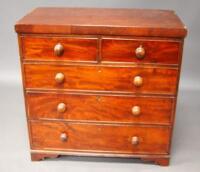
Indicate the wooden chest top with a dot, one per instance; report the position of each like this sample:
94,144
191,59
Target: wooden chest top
92,21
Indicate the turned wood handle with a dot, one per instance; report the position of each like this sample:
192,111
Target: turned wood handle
140,52
58,49
136,110
61,107
59,77
135,140
138,81
63,137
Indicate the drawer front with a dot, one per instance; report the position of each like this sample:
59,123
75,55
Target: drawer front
59,48
119,79
123,109
99,138
151,51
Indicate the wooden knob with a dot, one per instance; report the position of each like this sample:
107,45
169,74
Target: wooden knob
135,140
136,110
58,49
61,107
138,81
140,52
59,78
63,137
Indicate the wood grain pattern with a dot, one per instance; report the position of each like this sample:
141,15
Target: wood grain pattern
98,108
102,138
156,51
119,79
75,48
99,21
99,65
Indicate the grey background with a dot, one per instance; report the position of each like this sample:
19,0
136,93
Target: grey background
14,146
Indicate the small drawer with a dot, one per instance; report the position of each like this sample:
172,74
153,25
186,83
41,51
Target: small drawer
99,138
59,48
96,108
141,51
103,79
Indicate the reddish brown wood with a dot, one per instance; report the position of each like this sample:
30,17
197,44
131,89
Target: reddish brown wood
42,156
91,21
99,96
162,160
23,85
156,51
100,138
118,79
159,161
98,108
75,48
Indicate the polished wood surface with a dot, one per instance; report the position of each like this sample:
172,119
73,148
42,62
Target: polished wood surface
159,159
100,108
75,48
101,82
97,78
92,21
156,51
100,138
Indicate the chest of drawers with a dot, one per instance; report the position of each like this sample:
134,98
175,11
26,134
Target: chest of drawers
100,82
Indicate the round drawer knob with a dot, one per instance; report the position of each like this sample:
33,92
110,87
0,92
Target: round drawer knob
63,137
61,107
136,110
58,49
59,78
138,81
135,140
140,52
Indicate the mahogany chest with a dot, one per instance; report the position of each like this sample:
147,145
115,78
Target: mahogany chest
101,82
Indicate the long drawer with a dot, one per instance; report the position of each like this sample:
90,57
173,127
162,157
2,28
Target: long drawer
100,78
100,108
99,138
